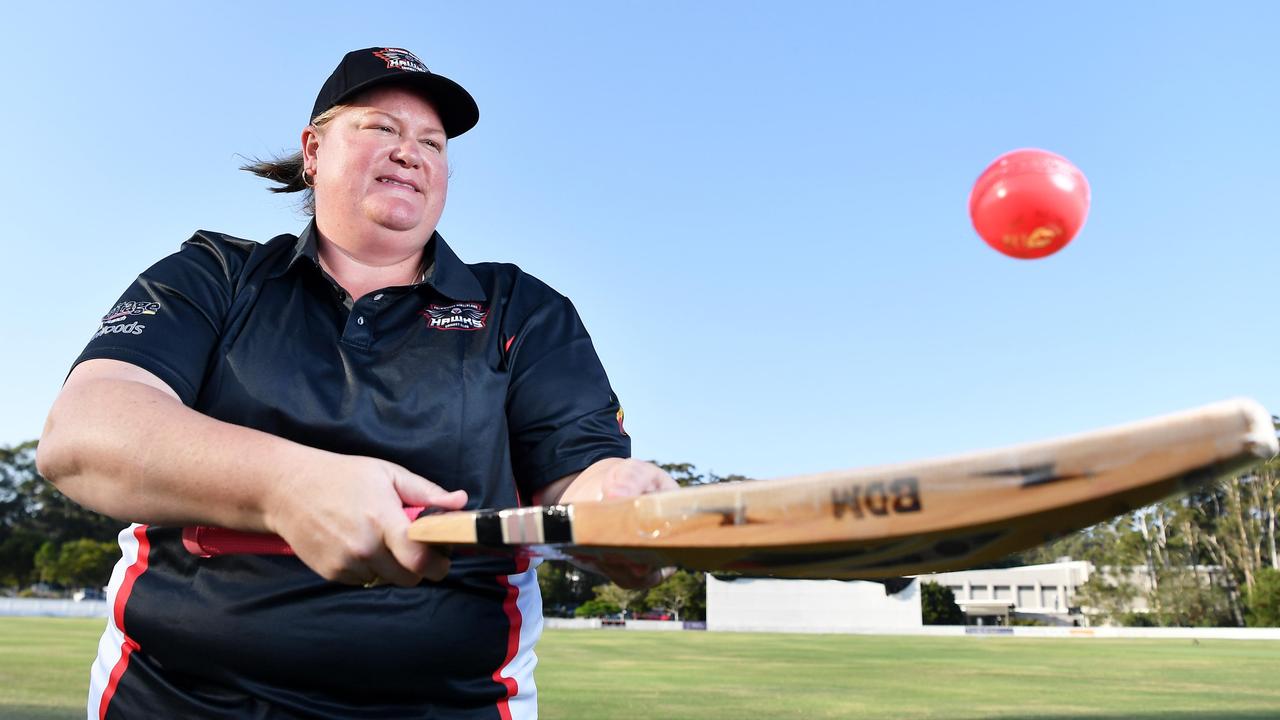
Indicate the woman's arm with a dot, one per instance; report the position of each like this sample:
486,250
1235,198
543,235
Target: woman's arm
119,441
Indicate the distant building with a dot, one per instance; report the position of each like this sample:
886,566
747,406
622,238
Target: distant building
1045,593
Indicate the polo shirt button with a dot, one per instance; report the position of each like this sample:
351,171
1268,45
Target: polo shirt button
378,296
360,320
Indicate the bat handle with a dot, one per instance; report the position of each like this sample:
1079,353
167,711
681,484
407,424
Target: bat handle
206,541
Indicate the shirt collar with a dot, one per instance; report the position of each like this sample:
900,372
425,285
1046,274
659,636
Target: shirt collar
450,276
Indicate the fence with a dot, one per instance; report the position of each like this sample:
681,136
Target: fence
30,607
98,608
944,630
597,623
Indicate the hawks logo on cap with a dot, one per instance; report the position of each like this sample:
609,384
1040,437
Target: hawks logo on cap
462,316
400,59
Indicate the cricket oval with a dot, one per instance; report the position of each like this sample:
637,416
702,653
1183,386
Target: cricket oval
878,498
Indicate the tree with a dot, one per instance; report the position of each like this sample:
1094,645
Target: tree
1236,525
938,605
1185,599
87,563
17,473
686,474
682,592
46,562
1264,599
596,608
17,557
1107,598
626,600
565,586
79,563
34,514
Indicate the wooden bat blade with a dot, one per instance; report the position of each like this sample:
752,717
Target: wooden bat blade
891,520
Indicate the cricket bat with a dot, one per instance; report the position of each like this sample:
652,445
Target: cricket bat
877,522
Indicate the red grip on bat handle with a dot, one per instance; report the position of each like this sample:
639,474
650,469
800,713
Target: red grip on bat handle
208,541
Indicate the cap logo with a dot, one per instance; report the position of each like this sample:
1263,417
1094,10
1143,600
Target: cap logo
400,59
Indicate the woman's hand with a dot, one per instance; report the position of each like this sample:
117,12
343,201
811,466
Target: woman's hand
343,517
609,479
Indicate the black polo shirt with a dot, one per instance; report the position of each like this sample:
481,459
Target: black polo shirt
481,378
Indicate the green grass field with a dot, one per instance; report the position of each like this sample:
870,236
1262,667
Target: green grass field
621,674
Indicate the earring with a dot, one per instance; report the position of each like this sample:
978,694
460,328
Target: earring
308,181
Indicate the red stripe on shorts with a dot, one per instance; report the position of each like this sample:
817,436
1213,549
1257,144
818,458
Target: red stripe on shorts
131,575
515,621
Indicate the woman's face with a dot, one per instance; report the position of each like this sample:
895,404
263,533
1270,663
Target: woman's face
380,164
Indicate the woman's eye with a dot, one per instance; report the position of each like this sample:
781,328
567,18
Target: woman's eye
431,144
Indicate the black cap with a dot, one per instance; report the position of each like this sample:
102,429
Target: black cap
363,69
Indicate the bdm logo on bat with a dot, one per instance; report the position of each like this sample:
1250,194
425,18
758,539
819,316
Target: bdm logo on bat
900,496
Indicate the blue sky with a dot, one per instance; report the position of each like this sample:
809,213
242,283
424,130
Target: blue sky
760,209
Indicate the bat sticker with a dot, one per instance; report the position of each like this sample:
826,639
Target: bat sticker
1034,475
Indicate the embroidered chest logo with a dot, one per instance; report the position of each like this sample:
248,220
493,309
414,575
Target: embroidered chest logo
460,316
113,322
399,59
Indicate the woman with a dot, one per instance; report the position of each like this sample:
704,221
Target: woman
311,386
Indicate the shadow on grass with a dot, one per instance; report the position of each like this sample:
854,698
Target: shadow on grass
1150,715
37,712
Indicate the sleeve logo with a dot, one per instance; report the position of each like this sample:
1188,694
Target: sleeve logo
128,308
113,323
460,316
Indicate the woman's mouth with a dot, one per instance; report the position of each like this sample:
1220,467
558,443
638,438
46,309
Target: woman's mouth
397,182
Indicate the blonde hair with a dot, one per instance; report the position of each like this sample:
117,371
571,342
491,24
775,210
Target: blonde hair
289,171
